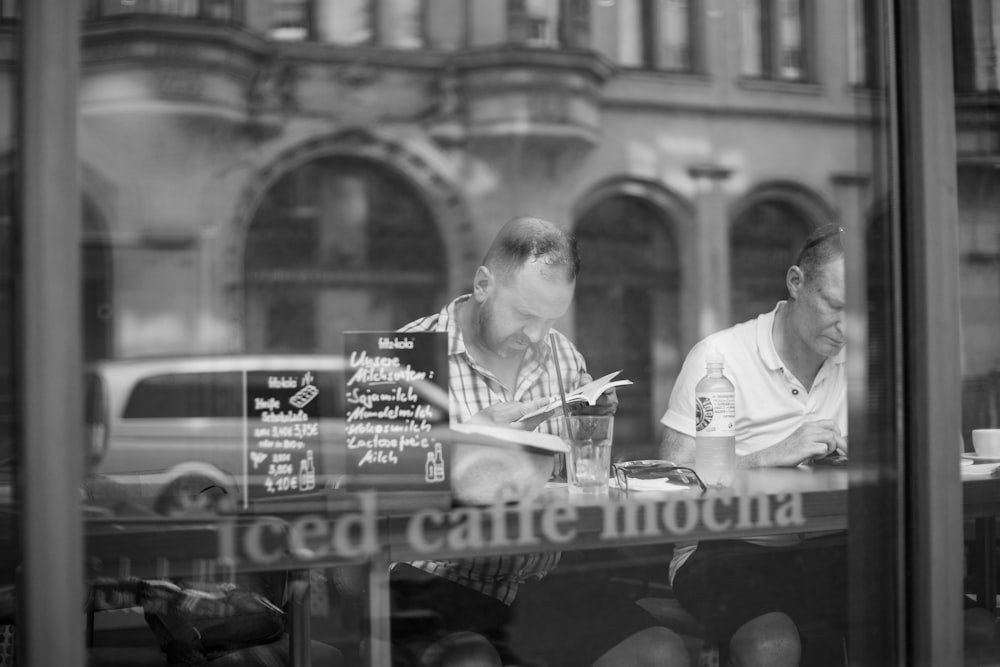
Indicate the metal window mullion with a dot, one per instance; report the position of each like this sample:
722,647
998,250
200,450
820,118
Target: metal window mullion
926,154
50,399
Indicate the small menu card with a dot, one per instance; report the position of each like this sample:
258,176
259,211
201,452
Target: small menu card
282,422
396,403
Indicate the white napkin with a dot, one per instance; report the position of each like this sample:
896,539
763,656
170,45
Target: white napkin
661,484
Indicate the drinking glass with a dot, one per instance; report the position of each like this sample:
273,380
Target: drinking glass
588,462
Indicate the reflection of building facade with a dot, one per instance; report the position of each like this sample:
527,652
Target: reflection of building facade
264,176
977,82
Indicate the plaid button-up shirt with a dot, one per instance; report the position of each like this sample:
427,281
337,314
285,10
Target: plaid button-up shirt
473,388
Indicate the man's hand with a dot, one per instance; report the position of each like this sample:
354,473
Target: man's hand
607,403
812,440
508,412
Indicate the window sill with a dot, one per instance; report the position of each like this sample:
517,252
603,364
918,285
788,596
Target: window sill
690,76
781,86
866,91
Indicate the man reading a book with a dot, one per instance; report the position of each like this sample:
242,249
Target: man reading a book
502,355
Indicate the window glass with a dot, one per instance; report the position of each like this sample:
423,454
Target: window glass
272,207
675,32
404,23
656,34
533,21
990,76
290,20
753,37
542,20
187,395
8,323
344,22
215,394
976,28
791,49
631,37
978,245
170,7
774,34
859,33
10,404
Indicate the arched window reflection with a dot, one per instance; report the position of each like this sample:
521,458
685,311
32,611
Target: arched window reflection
627,310
764,241
338,244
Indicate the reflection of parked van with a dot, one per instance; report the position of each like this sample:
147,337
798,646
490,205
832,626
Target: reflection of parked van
170,428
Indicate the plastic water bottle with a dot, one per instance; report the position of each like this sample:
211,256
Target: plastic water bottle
715,417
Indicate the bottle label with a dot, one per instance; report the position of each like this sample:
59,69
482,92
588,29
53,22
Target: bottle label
715,413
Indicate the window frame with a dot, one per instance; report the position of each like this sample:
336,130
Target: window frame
767,64
865,58
377,16
568,28
380,11
924,158
650,36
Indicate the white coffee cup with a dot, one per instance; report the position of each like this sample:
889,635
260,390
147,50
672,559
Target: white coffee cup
986,442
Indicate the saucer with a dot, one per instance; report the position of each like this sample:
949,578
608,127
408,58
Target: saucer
980,468
980,459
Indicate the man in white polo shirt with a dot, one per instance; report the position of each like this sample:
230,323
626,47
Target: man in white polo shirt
760,600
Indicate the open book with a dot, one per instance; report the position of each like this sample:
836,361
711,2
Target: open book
588,393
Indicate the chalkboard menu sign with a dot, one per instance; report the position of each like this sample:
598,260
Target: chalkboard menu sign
396,403
283,442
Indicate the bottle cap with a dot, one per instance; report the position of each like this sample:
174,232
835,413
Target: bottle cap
714,357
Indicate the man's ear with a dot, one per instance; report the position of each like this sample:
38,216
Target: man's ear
795,280
482,284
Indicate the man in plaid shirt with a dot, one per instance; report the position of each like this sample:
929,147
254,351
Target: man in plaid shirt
501,368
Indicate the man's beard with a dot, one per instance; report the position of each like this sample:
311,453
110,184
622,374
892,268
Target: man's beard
484,333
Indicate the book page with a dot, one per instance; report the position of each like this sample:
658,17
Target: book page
588,393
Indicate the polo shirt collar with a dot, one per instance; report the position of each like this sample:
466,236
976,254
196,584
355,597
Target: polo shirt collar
765,339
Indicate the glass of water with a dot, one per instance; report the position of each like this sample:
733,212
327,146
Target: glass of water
588,462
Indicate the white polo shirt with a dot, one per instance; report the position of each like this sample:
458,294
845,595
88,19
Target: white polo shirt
770,402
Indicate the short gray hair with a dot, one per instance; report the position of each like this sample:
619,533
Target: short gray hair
524,239
823,246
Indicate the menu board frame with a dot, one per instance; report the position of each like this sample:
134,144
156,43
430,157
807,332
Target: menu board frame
397,414
281,434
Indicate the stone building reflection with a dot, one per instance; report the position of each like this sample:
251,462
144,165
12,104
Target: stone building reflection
265,175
